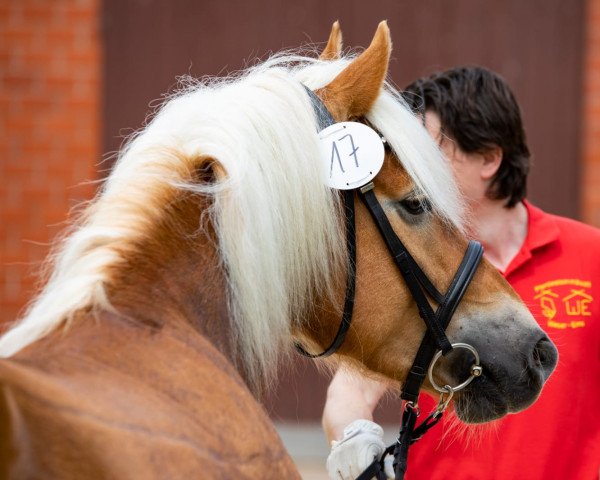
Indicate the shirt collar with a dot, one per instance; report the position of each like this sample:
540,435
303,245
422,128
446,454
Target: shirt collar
541,231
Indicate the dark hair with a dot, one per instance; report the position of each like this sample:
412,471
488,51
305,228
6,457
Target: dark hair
478,111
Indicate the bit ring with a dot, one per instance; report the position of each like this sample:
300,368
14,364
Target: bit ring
476,369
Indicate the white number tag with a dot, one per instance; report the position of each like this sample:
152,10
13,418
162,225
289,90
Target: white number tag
352,154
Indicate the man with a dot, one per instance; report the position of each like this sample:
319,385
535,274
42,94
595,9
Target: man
554,265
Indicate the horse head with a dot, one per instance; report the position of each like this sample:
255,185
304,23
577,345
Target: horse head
516,355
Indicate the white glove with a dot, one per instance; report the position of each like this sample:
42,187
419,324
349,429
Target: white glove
361,443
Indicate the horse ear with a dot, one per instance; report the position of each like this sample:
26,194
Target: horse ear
333,49
208,170
352,93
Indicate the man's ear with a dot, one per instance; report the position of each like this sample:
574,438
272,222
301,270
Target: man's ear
333,49
492,159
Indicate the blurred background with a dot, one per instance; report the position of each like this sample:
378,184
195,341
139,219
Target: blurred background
76,76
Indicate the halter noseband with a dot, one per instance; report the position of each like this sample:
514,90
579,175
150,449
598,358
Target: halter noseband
420,286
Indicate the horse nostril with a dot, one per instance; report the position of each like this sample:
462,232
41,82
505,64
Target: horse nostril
545,356
536,357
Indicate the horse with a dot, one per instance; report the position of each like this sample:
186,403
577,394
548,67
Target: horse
212,246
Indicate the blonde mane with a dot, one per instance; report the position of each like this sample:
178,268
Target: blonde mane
278,226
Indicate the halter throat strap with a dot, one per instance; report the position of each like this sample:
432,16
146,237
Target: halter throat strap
325,119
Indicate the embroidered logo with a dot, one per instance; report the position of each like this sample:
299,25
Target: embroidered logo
564,302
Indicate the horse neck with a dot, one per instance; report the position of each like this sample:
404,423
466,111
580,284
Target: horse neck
173,277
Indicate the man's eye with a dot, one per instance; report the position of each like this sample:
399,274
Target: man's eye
415,205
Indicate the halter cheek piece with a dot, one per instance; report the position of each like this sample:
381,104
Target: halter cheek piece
434,344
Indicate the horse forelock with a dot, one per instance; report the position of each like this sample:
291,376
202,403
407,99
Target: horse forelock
408,138
279,228
419,155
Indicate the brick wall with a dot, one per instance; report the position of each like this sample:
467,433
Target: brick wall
590,191
49,131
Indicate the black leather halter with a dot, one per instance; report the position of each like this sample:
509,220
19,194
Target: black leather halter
420,287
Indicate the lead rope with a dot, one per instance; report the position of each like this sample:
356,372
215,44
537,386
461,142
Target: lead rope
409,434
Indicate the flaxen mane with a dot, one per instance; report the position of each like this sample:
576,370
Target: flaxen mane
279,230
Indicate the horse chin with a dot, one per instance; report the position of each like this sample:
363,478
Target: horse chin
483,401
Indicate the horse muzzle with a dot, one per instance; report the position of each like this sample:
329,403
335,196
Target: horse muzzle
511,379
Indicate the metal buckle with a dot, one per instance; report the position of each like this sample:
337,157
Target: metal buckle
367,187
443,402
476,371
412,406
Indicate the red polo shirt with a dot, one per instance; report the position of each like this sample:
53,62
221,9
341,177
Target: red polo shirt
557,274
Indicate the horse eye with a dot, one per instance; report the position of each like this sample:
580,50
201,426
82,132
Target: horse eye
415,205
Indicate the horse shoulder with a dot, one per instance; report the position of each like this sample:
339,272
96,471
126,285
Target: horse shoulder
111,399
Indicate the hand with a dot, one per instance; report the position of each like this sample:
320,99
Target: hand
361,443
